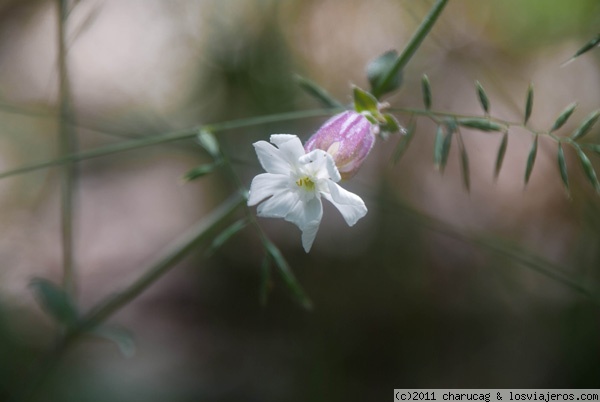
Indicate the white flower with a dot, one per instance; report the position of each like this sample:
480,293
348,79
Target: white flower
294,184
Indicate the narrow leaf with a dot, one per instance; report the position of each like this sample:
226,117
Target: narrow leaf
199,171
438,146
317,92
379,67
287,275
562,166
227,234
501,152
588,169
55,301
446,145
480,124
483,98
404,142
121,337
464,164
528,104
563,117
531,159
208,141
391,124
586,48
364,101
585,126
426,89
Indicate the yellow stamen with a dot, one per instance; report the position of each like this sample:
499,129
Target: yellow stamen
306,183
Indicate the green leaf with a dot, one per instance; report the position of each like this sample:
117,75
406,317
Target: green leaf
121,337
364,101
562,166
287,275
391,124
438,146
531,159
585,126
55,301
586,48
404,142
426,89
563,117
528,104
588,169
199,171
464,165
446,149
379,67
265,280
317,92
208,141
501,153
227,234
480,124
483,98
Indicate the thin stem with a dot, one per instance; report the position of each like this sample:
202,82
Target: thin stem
67,146
181,247
412,46
167,137
174,253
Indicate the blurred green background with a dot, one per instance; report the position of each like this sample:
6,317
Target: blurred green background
436,287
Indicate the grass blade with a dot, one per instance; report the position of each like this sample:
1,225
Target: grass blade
585,126
464,163
483,98
588,169
426,90
528,104
438,145
563,117
500,157
562,166
480,124
531,159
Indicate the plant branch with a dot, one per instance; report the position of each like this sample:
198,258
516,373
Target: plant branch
174,253
67,146
166,138
412,46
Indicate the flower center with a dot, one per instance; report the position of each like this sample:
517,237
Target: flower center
306,183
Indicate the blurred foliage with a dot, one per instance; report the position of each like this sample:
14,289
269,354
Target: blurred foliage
412,304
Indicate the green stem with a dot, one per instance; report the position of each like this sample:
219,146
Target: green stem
67,146
412,46
167,137
174,253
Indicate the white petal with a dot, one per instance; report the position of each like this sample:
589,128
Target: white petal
350,205
266,185
271,158
308,236
290,147
307,216
279,206
320,164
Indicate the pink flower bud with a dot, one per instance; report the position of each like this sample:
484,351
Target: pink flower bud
348,137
